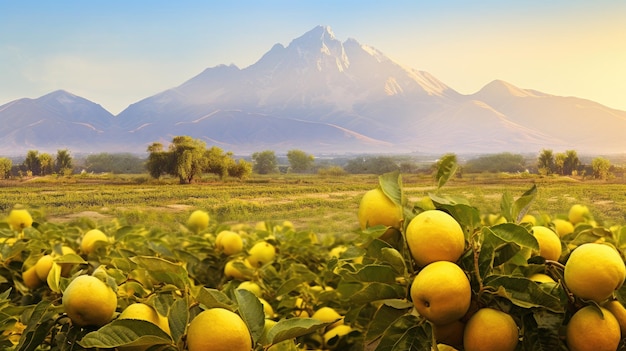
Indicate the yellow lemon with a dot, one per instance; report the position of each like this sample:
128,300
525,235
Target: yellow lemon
339,331
198,221
578,213
31,279
618,310
261,254
43,267
88,301
490,329
563,227
218,329
588,330
528,218
251,287
268,310
376,208
435,236
229,242
594,271
145,312
232,271
441,292
327,315
89,240
19,219
541,278
549,242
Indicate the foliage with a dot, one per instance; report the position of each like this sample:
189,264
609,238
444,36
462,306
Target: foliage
567,163
32,163
502,162
122,163
5,167
265,162
601,167
545,162
365,279
371,165
63,162
299,161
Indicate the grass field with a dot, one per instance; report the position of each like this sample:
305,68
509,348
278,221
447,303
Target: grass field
325,205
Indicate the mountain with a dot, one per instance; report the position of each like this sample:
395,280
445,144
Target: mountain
322,95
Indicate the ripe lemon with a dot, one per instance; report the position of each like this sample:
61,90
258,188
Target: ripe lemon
339,331
43,267
88,242
31,279
376,208
549,242
578,213
218,329
88,301
563,227
528,218
618,310
232,271
19,219
261,253
229,242
588,330
594,271
541,278
198,221
327,315
251,287
490,329
441,292
435,236
145,312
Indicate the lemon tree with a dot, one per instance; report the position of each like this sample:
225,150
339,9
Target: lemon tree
514,280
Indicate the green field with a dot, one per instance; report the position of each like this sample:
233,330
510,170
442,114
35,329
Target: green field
324,205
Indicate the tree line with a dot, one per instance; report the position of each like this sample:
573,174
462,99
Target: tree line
188,159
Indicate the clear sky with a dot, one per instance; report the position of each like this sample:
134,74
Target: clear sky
118,52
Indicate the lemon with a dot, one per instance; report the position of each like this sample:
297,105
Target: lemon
232,271
490,329
376,208
261,254
88,301
618,310
594,271
268,310
578,213
435,236
31,279
19,219
251,287
339,331
229,242
198,221
528,218
88,242
588,330
563,227
328,314
43,267
441,292
541,278
145,312
218,329
549,242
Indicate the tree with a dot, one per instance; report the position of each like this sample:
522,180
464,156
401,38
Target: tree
502,162
159,161
217,161
241,170
559,163
5,167
32,162
570,162
189,157
265,162
300,161
601,167
371,165
63,162
122,163
46,164
545,162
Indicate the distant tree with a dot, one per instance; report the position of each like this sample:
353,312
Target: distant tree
571,162
46,163
122,163
159,161
189,157
217,162
502,162
300,161
601,167
265,162
241,169
545,162
5,167
63,162
559,163
32,162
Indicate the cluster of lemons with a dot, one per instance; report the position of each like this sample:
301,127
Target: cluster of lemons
441,291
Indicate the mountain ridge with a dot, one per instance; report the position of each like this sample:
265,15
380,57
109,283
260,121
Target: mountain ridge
320,94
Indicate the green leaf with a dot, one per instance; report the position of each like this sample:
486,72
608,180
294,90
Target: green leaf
506,206
374,273
380,321
163,271
126,332
292,328
251,311
361,293
391,185
513,233
395,259
467,216
523,292
212,298
178,318
40,323
406,333
447,167
522,204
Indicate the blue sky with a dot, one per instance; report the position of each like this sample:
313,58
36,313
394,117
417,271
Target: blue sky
118,52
